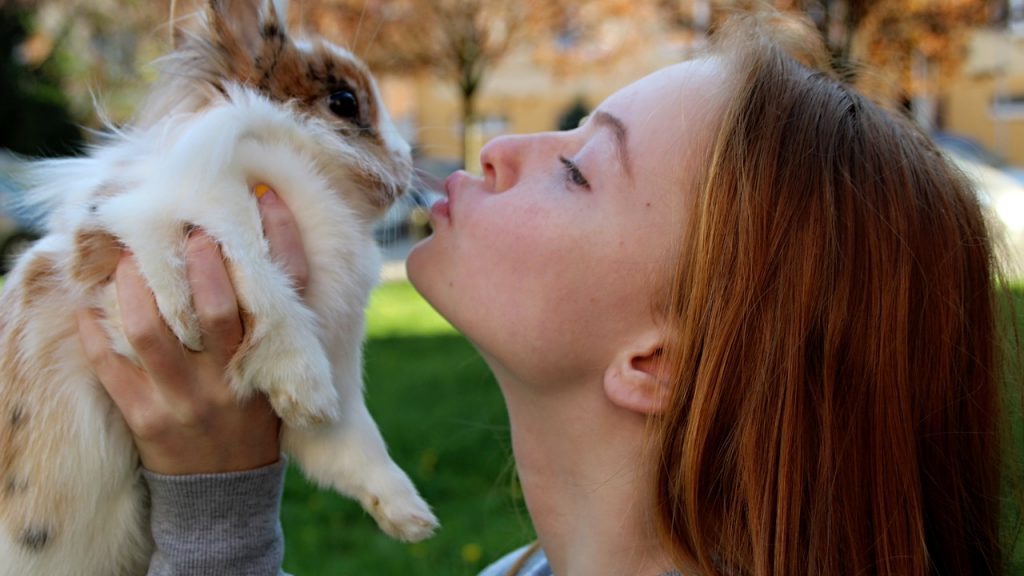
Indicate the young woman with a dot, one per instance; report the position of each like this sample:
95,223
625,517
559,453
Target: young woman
742,318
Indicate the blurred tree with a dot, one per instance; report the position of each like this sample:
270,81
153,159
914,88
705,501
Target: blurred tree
460,40
897,51
33,109
95,51
574,115
917,44
463,40
595,34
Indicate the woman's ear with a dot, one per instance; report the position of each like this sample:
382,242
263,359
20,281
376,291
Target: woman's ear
638,379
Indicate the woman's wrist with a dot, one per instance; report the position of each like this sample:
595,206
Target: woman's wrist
222,523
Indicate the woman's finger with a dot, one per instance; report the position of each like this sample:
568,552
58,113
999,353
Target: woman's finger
283,235
213,297
125,383
158,349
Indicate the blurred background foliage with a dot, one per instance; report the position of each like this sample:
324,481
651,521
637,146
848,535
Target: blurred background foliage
457,73
57,54
34,110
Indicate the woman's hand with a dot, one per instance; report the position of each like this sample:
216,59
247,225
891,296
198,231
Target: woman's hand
178,405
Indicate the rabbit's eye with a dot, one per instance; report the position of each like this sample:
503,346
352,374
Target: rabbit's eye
344,104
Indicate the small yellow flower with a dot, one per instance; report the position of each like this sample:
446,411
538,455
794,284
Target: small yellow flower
428,462
471,553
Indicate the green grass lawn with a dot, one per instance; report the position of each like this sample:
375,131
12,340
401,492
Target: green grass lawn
442,415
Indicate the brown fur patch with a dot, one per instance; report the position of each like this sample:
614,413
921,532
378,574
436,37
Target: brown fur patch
13,428
286,73
41,276
371,180
108,190
33,506
103,192
96,256
12,398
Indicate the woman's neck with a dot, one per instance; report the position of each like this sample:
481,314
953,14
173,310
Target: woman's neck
579,460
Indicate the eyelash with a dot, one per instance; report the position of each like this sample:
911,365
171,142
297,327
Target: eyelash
573,174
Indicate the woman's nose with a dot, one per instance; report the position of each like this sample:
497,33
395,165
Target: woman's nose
500,160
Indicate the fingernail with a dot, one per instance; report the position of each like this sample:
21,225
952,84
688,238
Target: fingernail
263,192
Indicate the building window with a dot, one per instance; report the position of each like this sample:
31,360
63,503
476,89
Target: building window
702,15
1008,107
1015,17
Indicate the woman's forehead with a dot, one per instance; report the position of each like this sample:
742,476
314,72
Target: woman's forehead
694,88
667,113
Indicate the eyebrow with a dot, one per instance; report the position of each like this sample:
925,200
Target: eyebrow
618,128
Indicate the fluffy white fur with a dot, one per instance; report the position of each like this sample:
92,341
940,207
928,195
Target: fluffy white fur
71,498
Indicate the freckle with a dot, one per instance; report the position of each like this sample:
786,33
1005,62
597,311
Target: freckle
34,538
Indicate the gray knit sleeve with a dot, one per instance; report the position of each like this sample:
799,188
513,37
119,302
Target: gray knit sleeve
217,524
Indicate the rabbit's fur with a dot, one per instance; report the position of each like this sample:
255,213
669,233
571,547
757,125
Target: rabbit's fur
237,104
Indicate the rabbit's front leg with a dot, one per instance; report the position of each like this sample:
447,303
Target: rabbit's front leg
350,456
281,353
157,243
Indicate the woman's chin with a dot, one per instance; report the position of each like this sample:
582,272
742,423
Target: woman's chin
425,270
414,262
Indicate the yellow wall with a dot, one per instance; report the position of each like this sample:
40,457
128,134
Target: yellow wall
527,97
995,65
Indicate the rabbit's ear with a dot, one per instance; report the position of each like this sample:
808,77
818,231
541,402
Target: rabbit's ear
247,23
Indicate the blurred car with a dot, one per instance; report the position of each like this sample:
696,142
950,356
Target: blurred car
18,228
971,150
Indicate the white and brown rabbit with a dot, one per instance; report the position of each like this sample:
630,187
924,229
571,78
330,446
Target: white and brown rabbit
238,103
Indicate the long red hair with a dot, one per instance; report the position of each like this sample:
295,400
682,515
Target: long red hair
836,406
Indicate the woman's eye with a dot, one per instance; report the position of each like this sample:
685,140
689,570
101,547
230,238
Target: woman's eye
344,104
573,174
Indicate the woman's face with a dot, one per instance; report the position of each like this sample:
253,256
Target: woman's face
549,262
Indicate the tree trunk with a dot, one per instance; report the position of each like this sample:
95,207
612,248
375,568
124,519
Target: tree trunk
924,104
468,120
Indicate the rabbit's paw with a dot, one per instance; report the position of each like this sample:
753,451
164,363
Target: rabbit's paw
299,388
173,297
401,512
183,322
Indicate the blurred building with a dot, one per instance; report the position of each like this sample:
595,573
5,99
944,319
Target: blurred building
986,101
523,95
518,97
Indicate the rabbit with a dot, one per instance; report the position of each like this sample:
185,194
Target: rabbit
239,102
